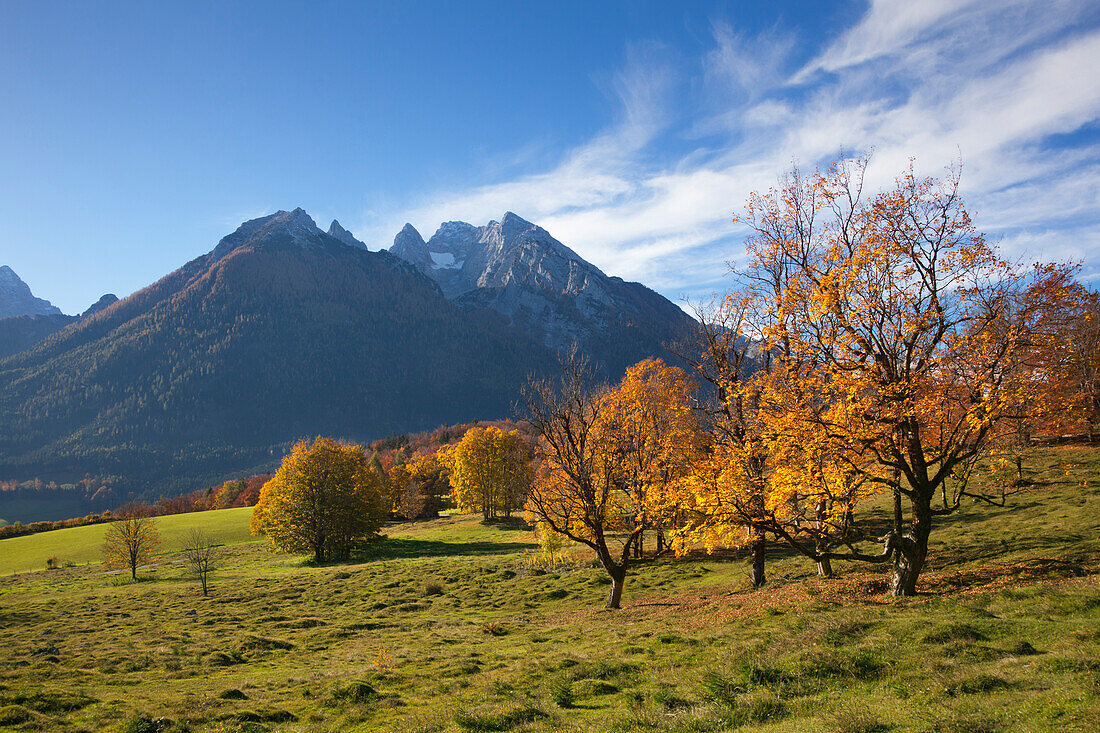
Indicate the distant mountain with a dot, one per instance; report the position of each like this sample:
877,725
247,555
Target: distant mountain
16,298
541,286
19,333
282,331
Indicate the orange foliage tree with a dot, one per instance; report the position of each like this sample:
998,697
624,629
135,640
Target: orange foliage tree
899,339
609,458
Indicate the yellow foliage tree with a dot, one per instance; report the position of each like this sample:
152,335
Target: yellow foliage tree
490,472
322,499
723,500
651,434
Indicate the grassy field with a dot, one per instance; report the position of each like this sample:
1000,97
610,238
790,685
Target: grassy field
445,626
80,545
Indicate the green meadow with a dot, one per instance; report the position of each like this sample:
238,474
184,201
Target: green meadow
81,545
453,625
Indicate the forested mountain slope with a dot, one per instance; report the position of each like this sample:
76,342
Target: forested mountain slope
282,331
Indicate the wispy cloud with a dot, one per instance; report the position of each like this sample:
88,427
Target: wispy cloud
991,82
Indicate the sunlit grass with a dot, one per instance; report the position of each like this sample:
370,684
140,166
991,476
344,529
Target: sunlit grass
445,626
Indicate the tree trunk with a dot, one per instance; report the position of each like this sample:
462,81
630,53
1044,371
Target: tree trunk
133,571
912,549
615,595
759,545
203,578
824,566
897,511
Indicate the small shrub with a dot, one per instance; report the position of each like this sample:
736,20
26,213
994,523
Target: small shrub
498,720
433,589
561,692
145,724
667,699
722,690
14,714
1024,649
955,632
53,563
353,693
493,628
232,694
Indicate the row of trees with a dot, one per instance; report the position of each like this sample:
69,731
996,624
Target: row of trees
875,344
327,494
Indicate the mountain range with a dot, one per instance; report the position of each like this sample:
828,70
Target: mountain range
285,331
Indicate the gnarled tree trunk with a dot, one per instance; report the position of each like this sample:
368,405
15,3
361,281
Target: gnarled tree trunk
911,550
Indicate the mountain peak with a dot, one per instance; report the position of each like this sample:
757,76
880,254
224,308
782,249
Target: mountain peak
296,225
297,221
104,301
410,246
16,298
512,219
338,232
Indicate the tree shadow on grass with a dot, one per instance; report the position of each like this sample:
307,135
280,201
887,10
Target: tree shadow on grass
401,547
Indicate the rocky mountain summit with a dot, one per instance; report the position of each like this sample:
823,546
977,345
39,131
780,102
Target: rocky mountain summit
517,269
16,298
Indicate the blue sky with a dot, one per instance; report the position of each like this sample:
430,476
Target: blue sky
134,135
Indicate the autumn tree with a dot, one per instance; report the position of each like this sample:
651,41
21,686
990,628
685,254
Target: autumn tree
723,499
433,483
1066,355
490,472
651,433
607,457
130,541
900,338
322,499
201,556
